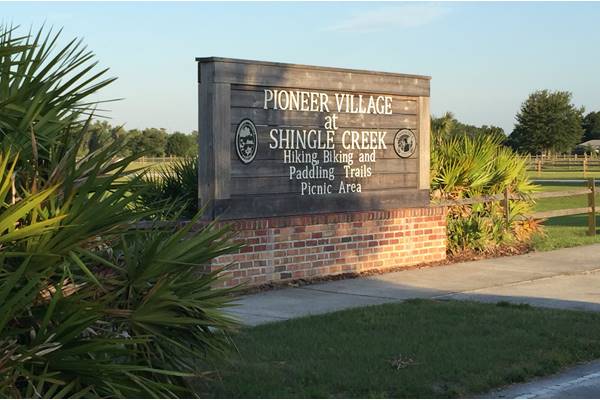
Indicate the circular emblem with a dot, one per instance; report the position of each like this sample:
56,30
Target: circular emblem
405,143
246,141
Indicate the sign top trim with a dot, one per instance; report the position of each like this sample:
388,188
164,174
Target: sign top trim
312,67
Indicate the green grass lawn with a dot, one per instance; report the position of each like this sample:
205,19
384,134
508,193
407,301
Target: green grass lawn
152,165
568,231
563,174
554,186
419,348
565,231
561,203
558,203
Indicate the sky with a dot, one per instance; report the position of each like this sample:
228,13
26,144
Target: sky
484,58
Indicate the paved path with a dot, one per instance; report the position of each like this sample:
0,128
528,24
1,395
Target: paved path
566,278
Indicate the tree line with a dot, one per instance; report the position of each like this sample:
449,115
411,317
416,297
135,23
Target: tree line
547,123
153,142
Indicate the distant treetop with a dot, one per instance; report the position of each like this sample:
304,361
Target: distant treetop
547,123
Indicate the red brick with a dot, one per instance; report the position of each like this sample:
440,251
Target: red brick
324,244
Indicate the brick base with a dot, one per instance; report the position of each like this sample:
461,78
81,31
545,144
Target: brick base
308,246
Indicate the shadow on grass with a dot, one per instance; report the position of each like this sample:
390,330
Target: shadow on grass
574,221
567,185
567,231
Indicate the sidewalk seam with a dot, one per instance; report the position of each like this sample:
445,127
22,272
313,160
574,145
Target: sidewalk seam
510,284
452,293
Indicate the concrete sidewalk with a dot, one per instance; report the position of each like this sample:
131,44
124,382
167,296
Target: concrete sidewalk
566,278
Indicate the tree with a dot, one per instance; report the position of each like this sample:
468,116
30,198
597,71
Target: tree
194,141
448,126
495,131
158,143
547,123
100,133
133,143
443,125
151,141
591,126
180,145
154,141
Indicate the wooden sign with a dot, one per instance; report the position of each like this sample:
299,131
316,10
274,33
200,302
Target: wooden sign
284,139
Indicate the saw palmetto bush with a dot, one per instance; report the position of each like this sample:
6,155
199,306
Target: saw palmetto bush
92,303
173,187
44,92
465,166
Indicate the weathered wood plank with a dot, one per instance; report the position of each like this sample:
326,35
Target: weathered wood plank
468,201
560,213
423,142
263,133
222,147
268,205
262,168
291,76
306,66
293,119
283,185
499,197
265,153
206,159
214,161
562,193
255,98
264,139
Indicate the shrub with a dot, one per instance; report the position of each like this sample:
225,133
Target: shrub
174,187
464,166
91,303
